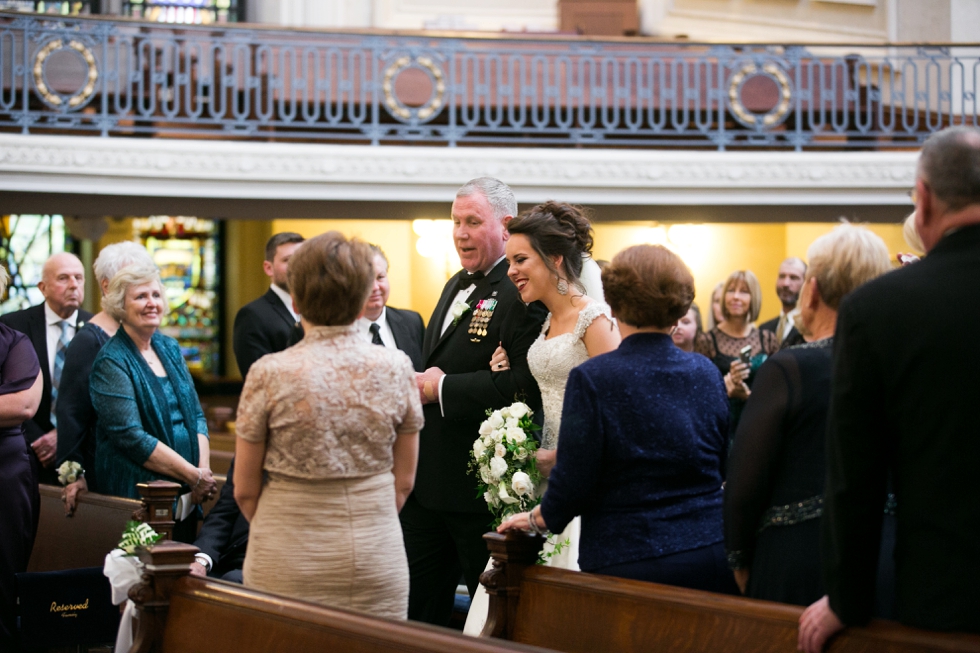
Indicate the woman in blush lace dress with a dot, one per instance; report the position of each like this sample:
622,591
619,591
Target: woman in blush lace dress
545,253
333,422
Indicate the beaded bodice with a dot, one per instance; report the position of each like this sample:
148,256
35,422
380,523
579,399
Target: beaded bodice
552,359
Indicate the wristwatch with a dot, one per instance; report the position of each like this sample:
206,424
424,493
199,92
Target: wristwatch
203,561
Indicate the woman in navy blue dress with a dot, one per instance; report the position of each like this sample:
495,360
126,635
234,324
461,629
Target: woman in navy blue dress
20,394
643,431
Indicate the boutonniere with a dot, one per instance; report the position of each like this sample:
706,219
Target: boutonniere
458,310
79,324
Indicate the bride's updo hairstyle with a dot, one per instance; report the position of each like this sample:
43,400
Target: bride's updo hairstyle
330,278
557,229
648,286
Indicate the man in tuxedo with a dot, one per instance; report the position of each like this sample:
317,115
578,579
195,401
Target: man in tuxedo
264,325
388,326
51,325
789,282
443,520
903,412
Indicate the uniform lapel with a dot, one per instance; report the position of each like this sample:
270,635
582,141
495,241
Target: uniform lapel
432,335
279,307
484,289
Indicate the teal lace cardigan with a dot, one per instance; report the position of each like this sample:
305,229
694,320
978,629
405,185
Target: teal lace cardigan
133,414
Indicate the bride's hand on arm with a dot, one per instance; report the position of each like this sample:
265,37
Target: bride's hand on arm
499,361
546,460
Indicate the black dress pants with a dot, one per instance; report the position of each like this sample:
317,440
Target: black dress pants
441,546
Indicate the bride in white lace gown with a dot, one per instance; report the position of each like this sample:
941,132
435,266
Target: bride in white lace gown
545,251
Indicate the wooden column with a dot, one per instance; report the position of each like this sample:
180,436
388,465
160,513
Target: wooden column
158,506
164,564
511,553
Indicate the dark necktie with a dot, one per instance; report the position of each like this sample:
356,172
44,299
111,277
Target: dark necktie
375,330
466,279
59,365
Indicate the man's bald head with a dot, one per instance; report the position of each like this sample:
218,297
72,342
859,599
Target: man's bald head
63,283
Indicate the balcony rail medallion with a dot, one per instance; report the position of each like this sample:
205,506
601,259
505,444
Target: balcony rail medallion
436,98
52,97
775,115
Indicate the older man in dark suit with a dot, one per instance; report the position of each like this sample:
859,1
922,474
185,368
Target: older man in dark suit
264,325
51,325
388,326
904,407
443,520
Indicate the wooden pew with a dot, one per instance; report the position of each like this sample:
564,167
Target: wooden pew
585,613
183,614
84,539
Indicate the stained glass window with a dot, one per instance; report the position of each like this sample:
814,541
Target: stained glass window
61,7
190,12
26,242
186,249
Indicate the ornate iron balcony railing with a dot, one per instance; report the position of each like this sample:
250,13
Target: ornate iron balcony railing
127,78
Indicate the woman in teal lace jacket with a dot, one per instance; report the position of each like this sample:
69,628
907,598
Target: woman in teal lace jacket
150,423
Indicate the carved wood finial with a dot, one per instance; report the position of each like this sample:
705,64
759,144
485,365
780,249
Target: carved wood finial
158,506
511,553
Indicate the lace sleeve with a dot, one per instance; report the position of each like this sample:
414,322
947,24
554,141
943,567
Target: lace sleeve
768,341
588,315
755,455
704,346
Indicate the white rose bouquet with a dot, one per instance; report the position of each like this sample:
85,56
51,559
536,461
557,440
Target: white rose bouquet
503,458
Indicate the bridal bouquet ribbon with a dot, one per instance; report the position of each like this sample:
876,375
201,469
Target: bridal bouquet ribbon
503,459
124,570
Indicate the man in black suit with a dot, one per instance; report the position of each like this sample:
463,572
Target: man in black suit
904,409
223,537
51,325
263,326
789,282
388,326
443,520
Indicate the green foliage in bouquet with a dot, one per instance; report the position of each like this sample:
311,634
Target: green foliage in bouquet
136,535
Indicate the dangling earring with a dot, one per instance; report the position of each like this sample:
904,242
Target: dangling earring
562,286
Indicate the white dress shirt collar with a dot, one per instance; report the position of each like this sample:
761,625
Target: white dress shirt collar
286,299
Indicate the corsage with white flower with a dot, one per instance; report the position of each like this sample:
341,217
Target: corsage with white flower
69,472
458,310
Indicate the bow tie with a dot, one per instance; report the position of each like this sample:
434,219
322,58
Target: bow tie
466,279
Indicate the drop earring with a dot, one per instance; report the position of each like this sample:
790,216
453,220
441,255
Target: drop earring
562,286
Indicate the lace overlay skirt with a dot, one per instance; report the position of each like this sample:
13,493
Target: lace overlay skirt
336,542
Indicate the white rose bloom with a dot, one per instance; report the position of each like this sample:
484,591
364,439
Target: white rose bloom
519,410
506,498
496,420
521,453
521,483
485,474
505,413
500,451
72,478
516,435
485,427
511,422
490,498
478,447
498,435
498,467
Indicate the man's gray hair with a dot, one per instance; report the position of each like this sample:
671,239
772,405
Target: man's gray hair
116,256
499,195
950,165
